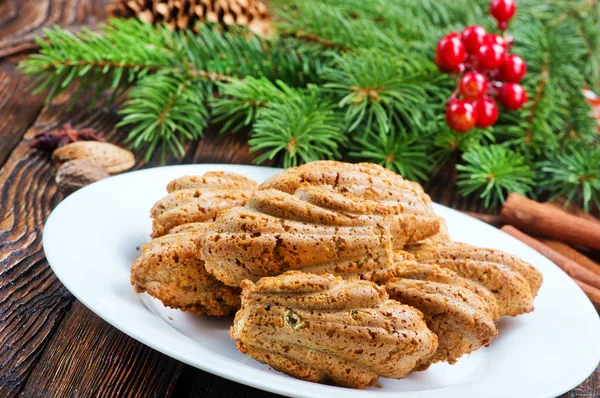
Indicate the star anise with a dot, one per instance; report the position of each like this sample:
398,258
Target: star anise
52,139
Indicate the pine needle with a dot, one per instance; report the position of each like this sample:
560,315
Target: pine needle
493,172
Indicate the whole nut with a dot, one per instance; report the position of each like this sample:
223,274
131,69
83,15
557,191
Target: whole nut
78,173
110,157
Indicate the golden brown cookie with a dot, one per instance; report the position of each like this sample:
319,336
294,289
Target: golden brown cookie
213,179
199,199
459,312
408,206
275,232
513,282
327,330
169,270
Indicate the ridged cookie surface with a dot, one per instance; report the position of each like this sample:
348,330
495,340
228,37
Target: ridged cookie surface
275,232
169,270
460,312
513,282
407,204
199,199
328,330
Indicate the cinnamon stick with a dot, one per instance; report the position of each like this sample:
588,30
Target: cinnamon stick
573,269
573,254
572,208
496,221
592,293
549,222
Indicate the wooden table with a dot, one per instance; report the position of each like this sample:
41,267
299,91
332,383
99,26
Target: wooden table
51,345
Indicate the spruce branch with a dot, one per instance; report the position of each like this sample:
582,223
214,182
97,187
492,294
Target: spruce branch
396,150
305,20
586,14
304,128
240,101
554,55
163,66
493,172
450,144
580,123
574,174
166,109
358,80
383,89
111,59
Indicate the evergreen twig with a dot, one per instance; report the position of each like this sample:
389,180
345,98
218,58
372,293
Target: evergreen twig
399,151
493,172
574,174
304,128
351,78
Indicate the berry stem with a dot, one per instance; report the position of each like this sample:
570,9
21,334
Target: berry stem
509,39
452,97
493,88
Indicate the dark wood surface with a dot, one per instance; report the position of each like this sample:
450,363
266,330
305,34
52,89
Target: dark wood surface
51,345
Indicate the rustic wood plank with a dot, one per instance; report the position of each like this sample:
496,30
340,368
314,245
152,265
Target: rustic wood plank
32,301
90,358
18,109
194,383
225,148
116,368
21,19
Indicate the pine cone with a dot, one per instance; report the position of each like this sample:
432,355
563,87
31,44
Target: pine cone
185,14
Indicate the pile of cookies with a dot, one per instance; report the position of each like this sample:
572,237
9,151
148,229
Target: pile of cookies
340,273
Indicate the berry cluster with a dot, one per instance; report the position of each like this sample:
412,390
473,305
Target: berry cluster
488,71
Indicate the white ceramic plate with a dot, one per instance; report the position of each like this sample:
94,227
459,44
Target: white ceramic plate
93,236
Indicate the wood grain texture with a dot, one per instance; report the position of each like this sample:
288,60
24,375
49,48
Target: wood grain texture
91,358
32,301
18,109
195,383
21,19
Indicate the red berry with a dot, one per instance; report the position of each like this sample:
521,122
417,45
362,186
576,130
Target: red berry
513,68
473,85
496,39
473,37
461,115
490,56
450,52
503,10
512,95
487,112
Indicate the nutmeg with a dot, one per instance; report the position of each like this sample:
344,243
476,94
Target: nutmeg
76,174
110,157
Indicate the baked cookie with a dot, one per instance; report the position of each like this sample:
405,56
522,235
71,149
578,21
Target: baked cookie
513,282
407,205
169,270
328,330
276,232
199,199
460,312
213,179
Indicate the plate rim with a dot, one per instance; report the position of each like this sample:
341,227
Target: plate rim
225,372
